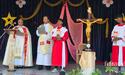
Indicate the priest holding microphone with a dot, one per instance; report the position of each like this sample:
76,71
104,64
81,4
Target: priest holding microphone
19,47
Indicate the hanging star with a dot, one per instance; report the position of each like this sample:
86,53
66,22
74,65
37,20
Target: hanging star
9,20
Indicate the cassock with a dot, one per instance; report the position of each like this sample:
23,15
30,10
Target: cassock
59,51
118,48
22,48
44,49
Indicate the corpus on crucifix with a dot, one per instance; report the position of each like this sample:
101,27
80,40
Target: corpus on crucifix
89,23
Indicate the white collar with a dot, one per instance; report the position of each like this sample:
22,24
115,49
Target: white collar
46,24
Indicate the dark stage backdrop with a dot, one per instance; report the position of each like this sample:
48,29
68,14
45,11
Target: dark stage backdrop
101,45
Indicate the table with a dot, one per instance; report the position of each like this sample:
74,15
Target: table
87,62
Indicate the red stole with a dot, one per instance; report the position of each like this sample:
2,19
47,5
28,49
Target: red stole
25,43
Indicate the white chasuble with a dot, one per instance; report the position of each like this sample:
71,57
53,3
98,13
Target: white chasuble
44,46
23,48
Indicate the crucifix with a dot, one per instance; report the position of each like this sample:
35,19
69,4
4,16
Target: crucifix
89,23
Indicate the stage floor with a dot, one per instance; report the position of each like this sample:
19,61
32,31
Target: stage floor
34,71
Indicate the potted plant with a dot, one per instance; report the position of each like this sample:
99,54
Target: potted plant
110,70
123,73
97,72
76,71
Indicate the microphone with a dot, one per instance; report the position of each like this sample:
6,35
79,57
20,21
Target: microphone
14,23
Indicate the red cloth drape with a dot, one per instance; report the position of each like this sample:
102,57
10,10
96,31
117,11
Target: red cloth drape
75,30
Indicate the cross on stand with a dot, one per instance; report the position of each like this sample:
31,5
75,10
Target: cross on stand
89,22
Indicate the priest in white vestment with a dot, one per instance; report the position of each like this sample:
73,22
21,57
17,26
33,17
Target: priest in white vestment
44,49
22,47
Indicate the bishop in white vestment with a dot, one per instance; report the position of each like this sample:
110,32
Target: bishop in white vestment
22,46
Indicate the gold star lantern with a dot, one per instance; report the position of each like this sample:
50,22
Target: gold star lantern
9,20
